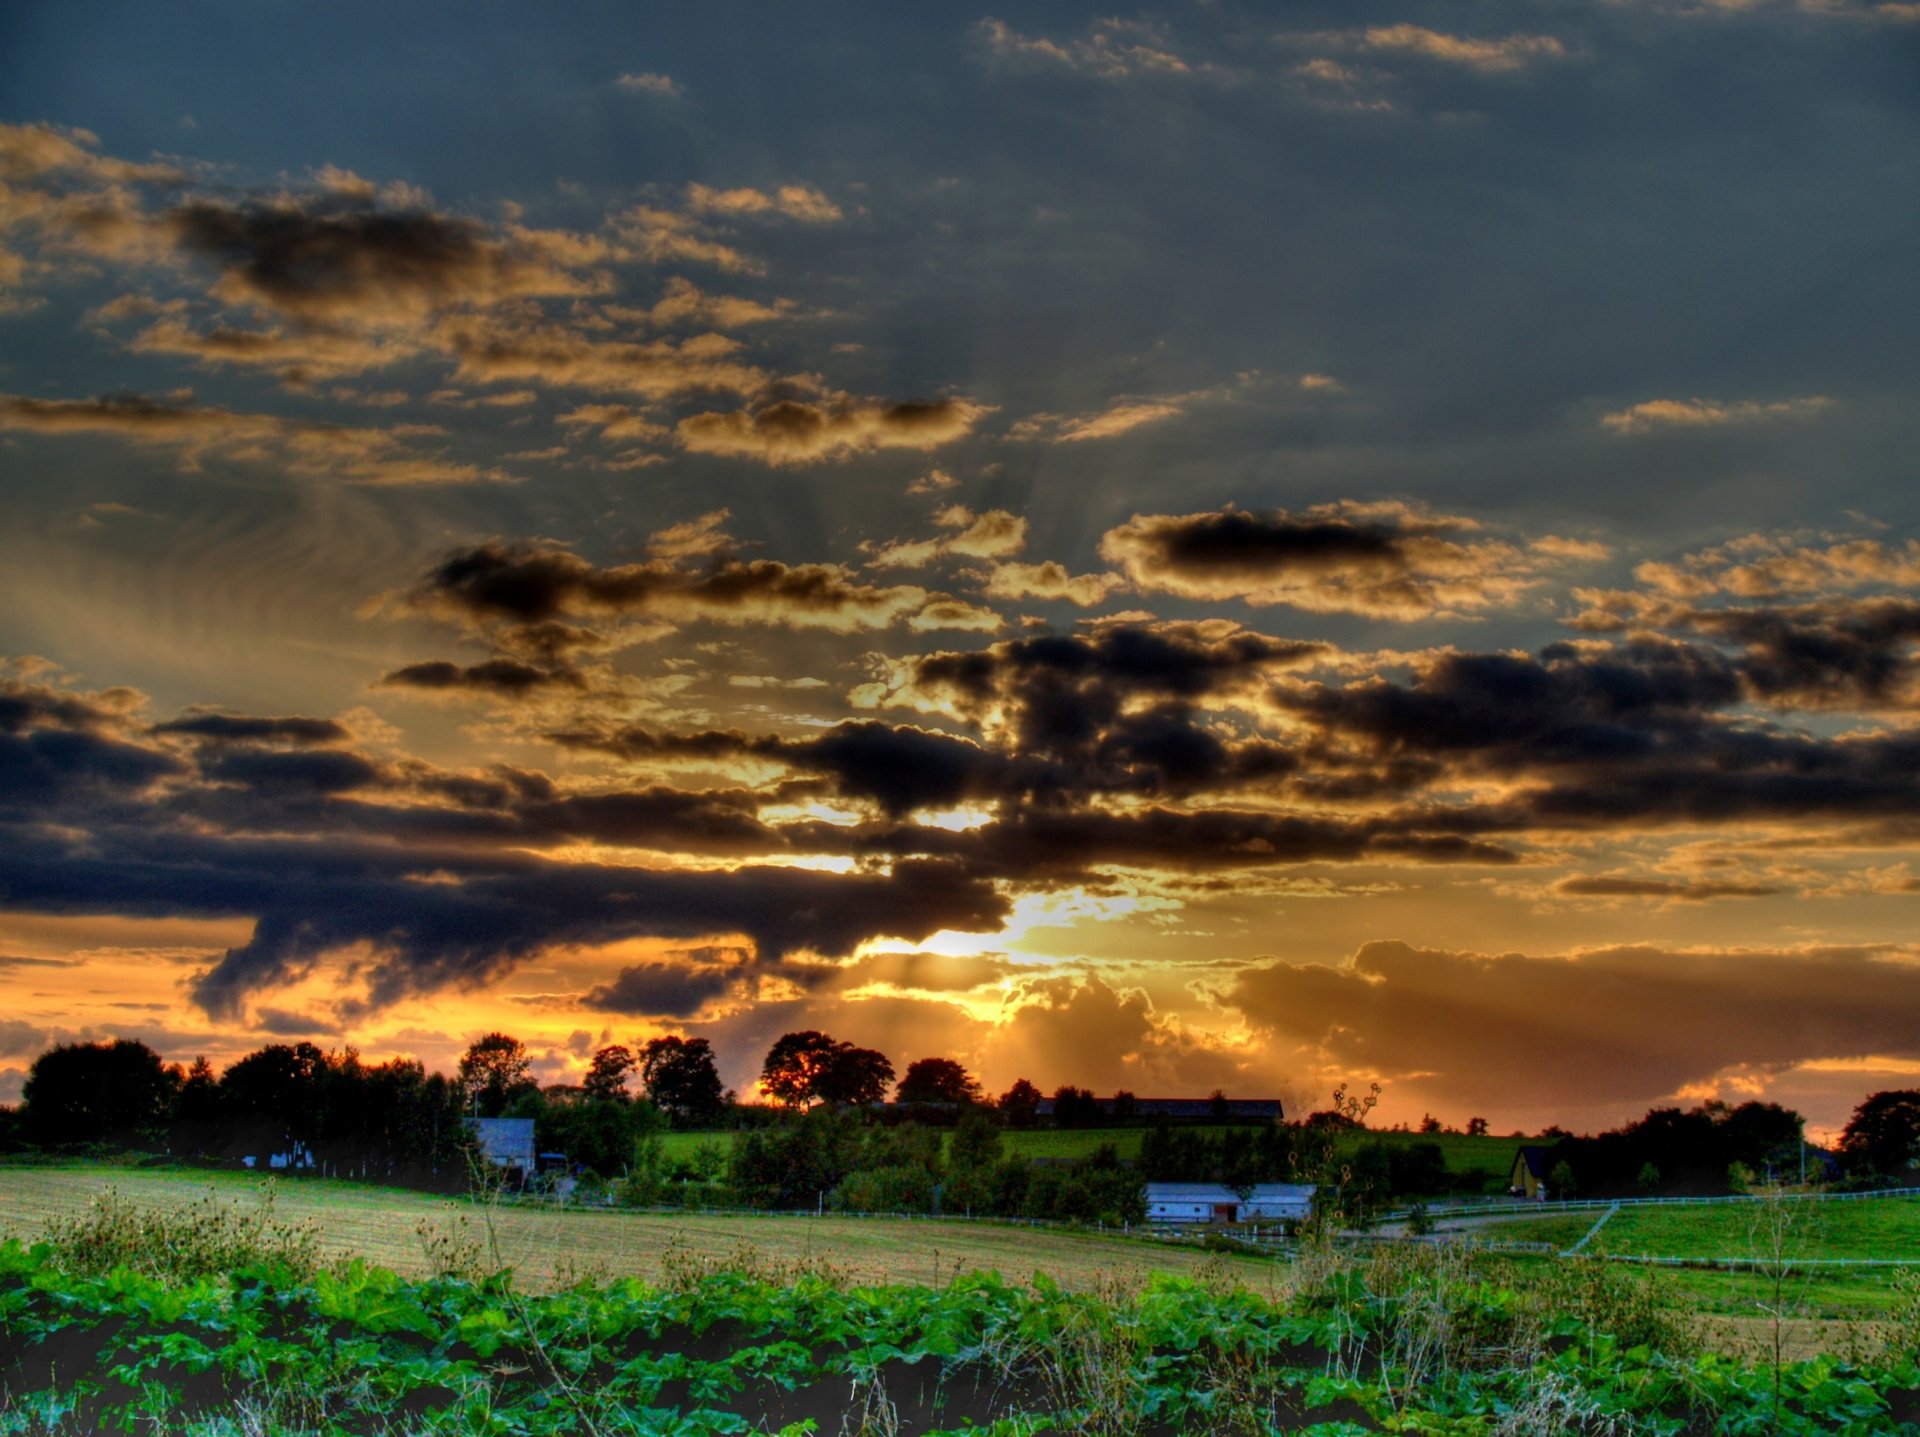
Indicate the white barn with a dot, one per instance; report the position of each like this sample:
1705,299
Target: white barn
1216,1202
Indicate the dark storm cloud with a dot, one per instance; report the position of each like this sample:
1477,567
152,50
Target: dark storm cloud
1618,886
244,728
1066,686
325,257
1837,653
536,583
1514,710
26,706
1645,732
46,769
1385,560
1615,1026
284,1023
664,990
507,678
1047,847
897,768
1162,751
439,918
316,771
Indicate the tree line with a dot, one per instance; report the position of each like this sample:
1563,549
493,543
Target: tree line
829,1135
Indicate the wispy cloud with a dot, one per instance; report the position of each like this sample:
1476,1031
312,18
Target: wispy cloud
1654,414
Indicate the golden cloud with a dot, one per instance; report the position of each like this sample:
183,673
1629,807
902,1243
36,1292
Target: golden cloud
793,432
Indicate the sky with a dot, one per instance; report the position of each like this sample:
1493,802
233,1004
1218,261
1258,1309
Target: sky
1217,546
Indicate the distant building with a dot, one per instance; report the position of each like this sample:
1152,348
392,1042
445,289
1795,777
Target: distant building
507,1143
1239,1110
1530,1168
1216,1202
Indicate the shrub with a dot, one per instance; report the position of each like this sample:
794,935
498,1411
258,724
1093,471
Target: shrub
209,1238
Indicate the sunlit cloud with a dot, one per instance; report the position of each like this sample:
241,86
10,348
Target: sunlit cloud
1652,414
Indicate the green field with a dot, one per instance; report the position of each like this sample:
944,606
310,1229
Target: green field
1875,1228
1807,1230
1810,1232
1488,1157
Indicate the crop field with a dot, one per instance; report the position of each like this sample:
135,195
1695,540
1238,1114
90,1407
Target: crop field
545,1247
181,1316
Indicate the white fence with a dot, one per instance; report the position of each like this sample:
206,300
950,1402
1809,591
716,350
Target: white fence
1541,1209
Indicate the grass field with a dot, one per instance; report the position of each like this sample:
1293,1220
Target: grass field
1871,1228
548,1247
1812,1231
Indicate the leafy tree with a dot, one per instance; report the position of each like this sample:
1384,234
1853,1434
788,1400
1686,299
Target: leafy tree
1075,1107
196,1109
1649,1180
1883,1135
91,1092
596,1133
857,1077
607,1072
276,1096
1560,1181
1020,1103
1218,1107
1126,1107
681,1079
494,1072
808,1067
791,1073
1476,1127
938,1080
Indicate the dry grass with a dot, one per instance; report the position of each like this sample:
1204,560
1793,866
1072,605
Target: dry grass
547,1248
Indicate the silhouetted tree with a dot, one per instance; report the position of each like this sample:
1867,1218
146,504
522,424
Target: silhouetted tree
273,1098
681,1079
607,1072
856,1077
791,1072
938,1080
1075,1107
1476,1127
95,1092
196,1109
808,1067
494,1072
1883,1135
1020,1103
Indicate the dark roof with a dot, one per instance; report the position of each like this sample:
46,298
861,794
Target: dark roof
1535,1156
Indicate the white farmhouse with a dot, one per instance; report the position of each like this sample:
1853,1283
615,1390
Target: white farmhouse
1216,1202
